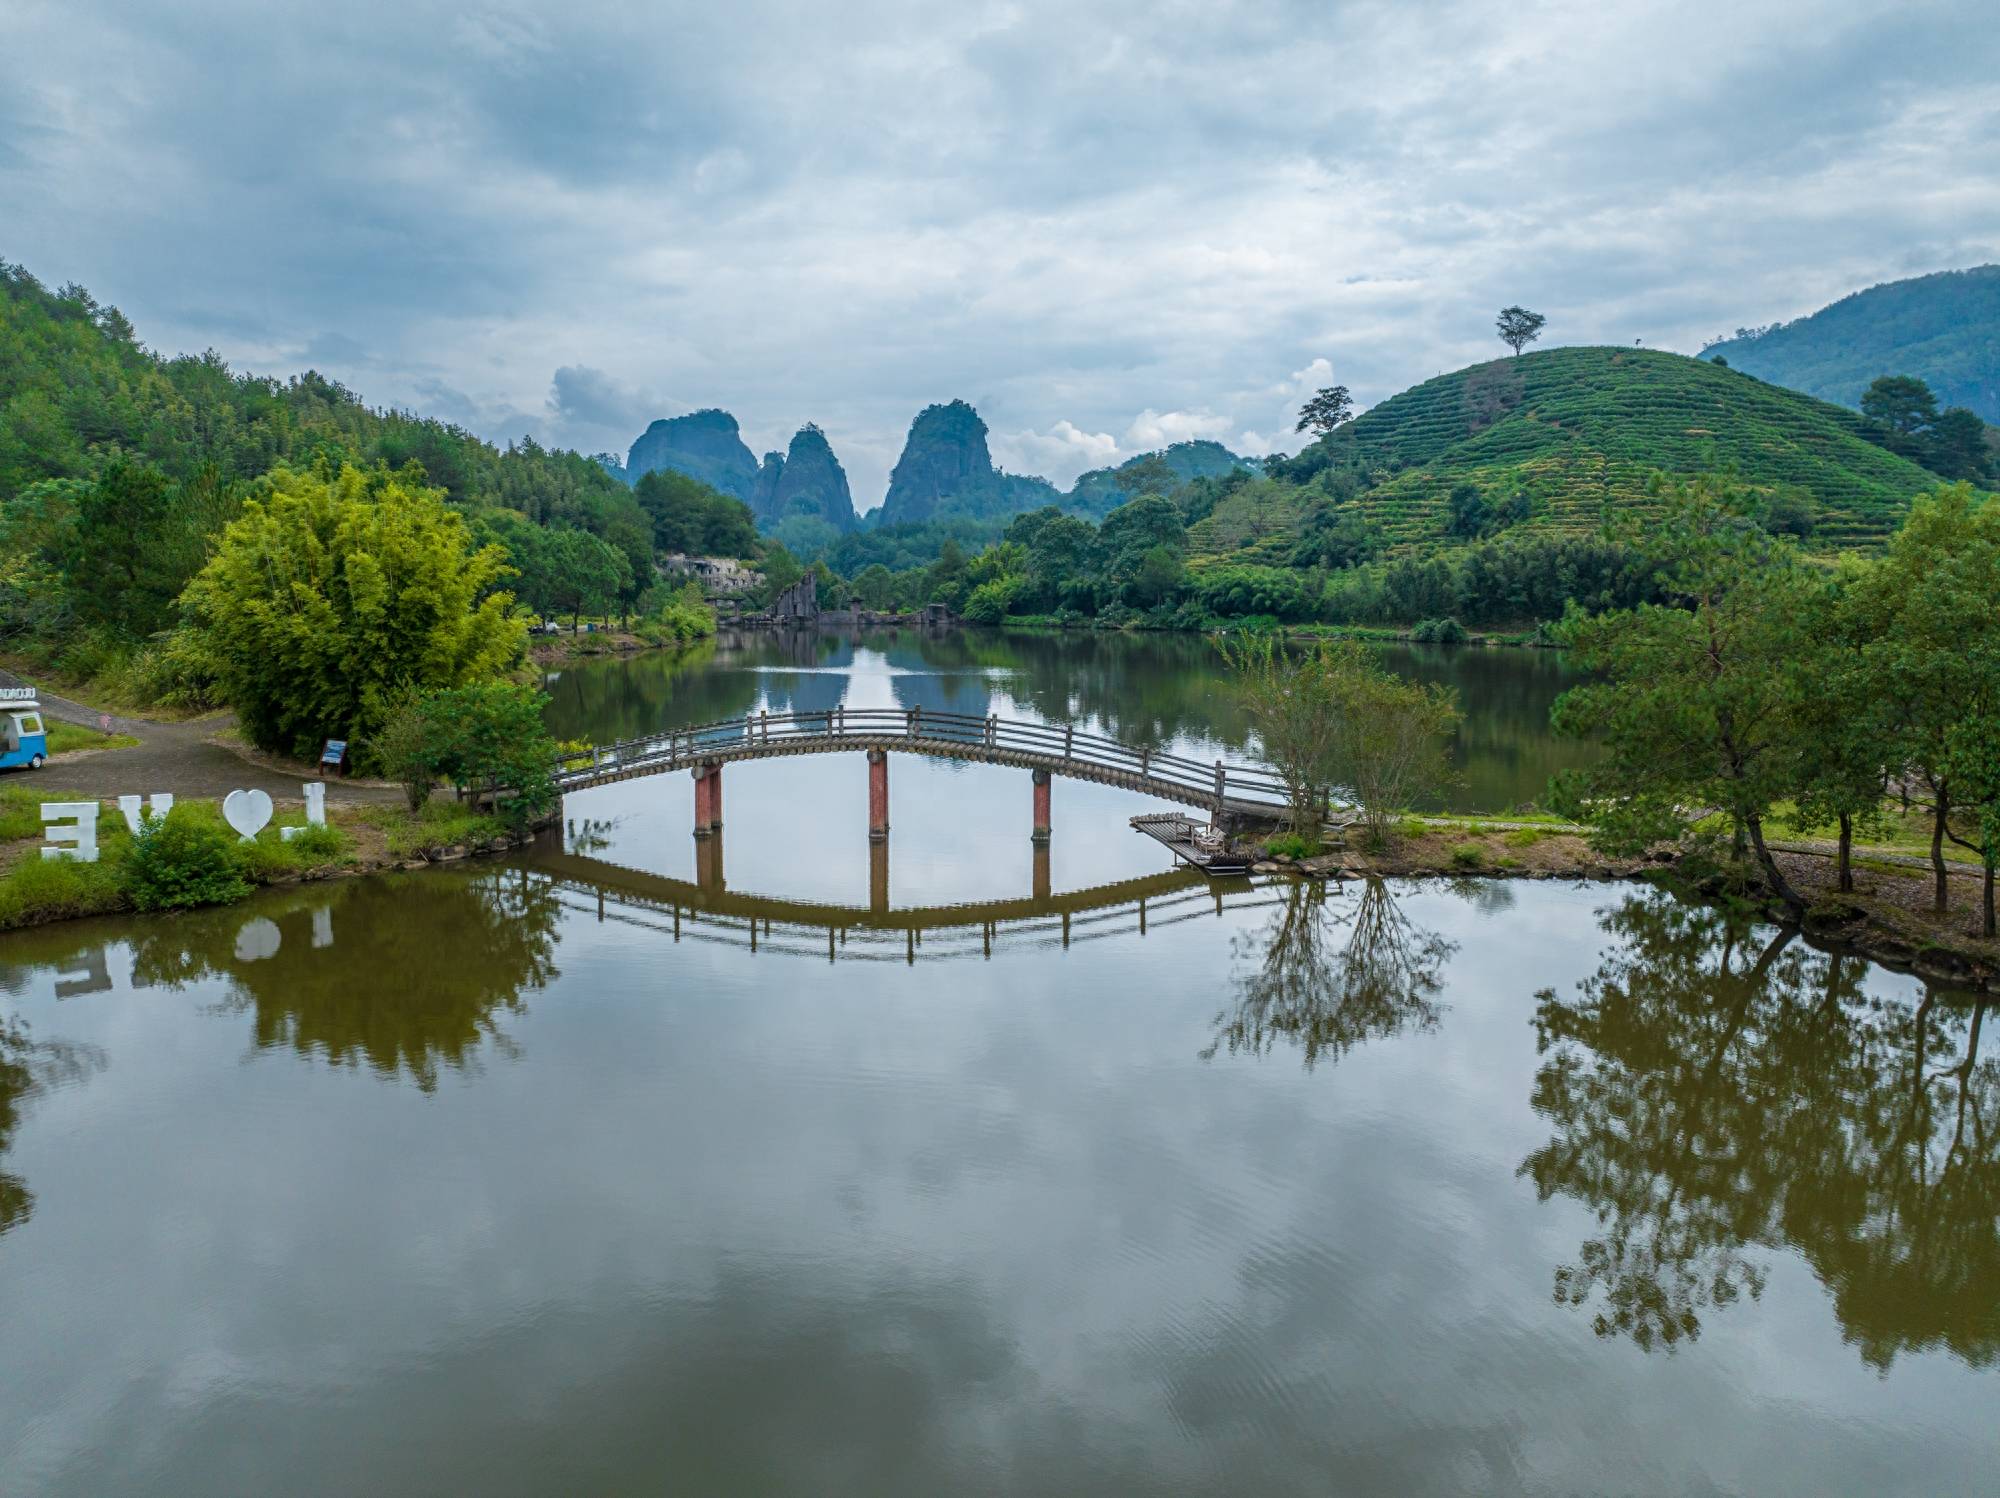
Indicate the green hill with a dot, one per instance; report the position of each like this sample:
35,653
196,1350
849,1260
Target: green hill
1557,440
1943,328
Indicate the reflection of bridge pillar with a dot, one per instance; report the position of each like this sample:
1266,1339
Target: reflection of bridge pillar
878,795
878,877
1041,868
708,865
1041,833
707,799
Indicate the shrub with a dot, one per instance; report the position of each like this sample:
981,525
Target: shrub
1523,837
686,617
183,859
1445,631
1468,856
1291,845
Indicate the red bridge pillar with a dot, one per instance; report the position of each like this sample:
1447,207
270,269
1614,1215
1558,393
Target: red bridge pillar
707,799
878,877
1041,833
1041,871
878,795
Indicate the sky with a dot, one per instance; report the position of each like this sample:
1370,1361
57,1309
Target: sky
1109,227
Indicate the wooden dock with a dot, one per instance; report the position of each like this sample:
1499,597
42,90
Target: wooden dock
1193,844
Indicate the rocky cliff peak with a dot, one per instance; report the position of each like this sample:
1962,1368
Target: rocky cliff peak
702,444
810,481
944,454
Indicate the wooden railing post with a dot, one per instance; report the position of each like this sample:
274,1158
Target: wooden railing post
1219,783
1069,738
764,725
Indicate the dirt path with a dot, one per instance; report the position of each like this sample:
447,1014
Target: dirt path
182,758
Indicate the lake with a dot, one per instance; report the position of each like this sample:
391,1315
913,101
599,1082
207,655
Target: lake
798,1165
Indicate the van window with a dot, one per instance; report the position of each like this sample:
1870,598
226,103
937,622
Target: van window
31,723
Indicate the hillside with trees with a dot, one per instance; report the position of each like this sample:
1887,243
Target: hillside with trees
120,469
1943,329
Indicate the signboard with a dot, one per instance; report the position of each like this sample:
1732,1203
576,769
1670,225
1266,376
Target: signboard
335,752
13,695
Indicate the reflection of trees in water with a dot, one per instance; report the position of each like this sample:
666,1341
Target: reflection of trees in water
628,697
422,967
1714,1092
1329,974
27,1067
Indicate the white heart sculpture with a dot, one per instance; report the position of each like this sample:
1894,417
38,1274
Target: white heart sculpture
249,812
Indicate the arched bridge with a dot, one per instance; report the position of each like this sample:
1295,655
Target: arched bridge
1236,793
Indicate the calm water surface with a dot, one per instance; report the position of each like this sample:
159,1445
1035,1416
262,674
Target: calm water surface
808,1169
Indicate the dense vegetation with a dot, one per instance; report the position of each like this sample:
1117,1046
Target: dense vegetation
1486,497
1943,329
1762,684
121,472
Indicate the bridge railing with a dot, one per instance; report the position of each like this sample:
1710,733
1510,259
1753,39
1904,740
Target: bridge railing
1212,781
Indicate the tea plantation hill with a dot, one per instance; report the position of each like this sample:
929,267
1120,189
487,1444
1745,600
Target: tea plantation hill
1943,328
1571,435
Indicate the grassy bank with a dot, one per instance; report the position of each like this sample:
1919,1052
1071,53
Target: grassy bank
193,858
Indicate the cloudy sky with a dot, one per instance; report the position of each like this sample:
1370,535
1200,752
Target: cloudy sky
1108,226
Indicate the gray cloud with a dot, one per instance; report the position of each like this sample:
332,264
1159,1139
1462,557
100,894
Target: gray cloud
1091,222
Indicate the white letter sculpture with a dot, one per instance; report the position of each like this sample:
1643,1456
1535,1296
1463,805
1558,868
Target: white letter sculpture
249,812
76,839
315,810
158,805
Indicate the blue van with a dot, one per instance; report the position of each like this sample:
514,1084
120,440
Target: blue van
23,740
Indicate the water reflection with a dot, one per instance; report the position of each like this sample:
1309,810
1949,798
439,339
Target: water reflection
29,1067
1719,1091
428,966
705,909
1330,971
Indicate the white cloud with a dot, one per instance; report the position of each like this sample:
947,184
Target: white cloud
1059,454
1153,429
1198,212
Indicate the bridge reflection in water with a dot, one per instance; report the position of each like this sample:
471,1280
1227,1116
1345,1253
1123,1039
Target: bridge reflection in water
704,909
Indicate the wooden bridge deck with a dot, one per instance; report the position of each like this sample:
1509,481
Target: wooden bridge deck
1238,792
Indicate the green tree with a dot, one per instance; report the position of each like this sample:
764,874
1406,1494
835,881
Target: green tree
1933,644
489,737
1329,715
1326,410
1518,327
1842,740
329,594
1695,701
134,542
1902,403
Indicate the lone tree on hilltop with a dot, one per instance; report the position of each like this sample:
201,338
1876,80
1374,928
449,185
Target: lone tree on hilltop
1326,410
1519,327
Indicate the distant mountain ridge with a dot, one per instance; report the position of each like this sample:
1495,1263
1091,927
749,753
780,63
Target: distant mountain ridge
708,445
1942,328
946,472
